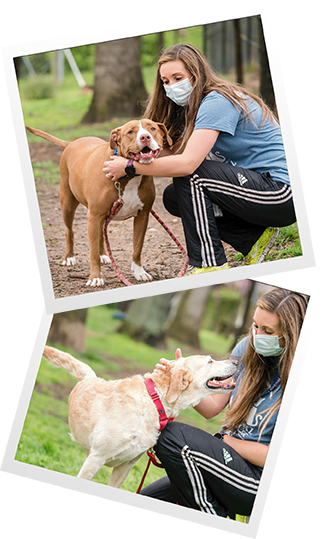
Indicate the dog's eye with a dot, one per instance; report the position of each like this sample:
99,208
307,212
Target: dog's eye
130,132
210,360
153,129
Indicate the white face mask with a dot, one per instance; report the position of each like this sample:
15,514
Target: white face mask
179,92
267,345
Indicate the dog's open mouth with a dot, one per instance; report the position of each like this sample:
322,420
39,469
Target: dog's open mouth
146,155
221,383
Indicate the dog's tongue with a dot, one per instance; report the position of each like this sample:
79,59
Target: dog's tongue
221,383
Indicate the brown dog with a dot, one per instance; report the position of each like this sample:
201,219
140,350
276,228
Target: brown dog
82,181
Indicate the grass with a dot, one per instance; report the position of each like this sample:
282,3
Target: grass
47,171
287,245
45,440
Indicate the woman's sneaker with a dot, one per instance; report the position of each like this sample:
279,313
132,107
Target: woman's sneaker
262,247
193,270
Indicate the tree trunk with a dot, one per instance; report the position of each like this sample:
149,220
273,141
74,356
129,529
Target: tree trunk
266,87
119,89
238,51
186,324
68,328
146,319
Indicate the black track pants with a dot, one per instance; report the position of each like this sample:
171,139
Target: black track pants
203,473
250,202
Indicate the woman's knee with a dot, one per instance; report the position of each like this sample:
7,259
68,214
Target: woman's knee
170,441
170,200
173,438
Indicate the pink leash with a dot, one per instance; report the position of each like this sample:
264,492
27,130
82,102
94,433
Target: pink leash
114,210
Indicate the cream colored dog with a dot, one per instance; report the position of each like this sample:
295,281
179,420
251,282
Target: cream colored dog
116,421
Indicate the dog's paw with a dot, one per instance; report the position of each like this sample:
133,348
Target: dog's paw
69,261
140,274
104,259
95,282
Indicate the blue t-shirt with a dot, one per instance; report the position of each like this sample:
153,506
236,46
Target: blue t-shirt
240,142
250,429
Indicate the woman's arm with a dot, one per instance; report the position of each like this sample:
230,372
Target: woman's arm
254,452
173,150
212,406
198,146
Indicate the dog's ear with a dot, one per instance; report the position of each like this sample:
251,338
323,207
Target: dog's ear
114,137
179,381
167,139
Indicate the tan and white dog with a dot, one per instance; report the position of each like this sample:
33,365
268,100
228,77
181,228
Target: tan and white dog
116,421
82,181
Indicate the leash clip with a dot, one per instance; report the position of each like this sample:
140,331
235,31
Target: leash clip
118,187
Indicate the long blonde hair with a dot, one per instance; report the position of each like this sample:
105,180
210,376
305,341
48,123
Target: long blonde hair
180,121
290,308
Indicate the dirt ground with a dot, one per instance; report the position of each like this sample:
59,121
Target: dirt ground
161,257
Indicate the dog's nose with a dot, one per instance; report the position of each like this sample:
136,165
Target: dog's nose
145,137
235,362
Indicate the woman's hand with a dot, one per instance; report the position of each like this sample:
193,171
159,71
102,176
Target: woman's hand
164,363
115,168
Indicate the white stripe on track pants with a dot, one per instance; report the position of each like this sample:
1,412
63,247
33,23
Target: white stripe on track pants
203,473
250,202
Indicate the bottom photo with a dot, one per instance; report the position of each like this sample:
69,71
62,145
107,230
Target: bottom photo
173,397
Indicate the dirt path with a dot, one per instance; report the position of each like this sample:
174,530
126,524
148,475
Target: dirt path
161,256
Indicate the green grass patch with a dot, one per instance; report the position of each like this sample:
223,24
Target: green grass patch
66,108
38,87
287,245
47,171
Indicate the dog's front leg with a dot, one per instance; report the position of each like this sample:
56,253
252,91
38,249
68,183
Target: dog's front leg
139,230
95,224
119,473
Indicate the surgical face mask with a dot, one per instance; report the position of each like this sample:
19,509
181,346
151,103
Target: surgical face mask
179,92
267,345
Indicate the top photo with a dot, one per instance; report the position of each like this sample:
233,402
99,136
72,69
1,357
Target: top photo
157,163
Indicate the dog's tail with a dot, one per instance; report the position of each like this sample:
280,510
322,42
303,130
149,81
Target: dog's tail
46,136
69,363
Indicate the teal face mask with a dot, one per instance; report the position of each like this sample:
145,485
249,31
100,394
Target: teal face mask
266,345
179,92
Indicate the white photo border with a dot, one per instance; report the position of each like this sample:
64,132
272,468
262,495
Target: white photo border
54,305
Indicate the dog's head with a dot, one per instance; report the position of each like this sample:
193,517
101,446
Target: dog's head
140,140
190,379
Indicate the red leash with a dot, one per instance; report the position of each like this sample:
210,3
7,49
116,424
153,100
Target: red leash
114,210
118,204
152,459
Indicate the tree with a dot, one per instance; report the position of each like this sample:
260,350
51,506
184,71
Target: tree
266,87
238,51
146,319
68,328
186,324
119,89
